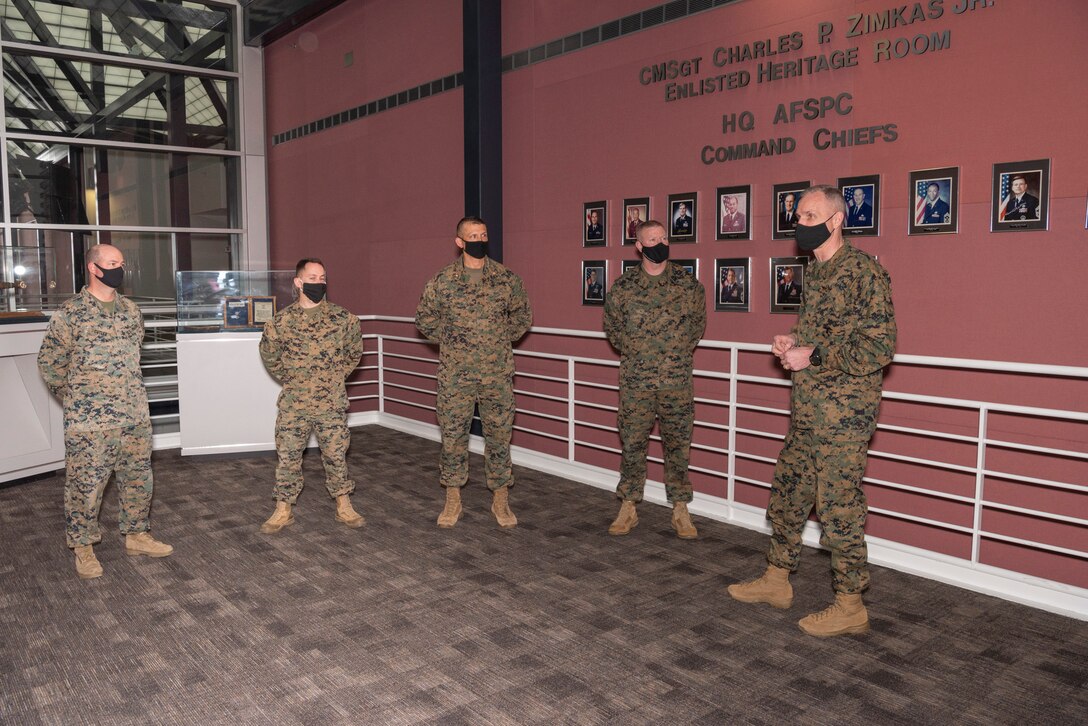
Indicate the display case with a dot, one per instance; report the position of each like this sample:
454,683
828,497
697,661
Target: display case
210,301
26,281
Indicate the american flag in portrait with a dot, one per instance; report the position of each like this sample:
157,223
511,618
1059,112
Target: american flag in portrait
1004,196
920,203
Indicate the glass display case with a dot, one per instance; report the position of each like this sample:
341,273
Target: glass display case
217,300
26,280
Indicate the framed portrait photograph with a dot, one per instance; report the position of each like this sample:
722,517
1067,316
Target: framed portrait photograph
594,224
934,201
691,266
626,265
784,201
682,217
1021,196
731,278
594,281
862,195
236,312
734,212
787,283
635,212
264,309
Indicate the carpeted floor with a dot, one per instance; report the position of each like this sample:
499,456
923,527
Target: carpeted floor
552,622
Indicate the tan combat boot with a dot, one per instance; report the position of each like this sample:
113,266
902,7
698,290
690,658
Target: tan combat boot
144,544
500,507
452,511
772,588
844,616
279,519
681,521
346,513
626,520
87,566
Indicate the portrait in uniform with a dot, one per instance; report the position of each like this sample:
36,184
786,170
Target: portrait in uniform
787,283
682,217
784,218
635,212
593,282
594,224
731,284
862,195
734,212
1021,190
934,201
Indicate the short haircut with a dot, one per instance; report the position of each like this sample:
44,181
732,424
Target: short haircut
307,261
646,225
1020,177
472,219
933,184
831,194
94,253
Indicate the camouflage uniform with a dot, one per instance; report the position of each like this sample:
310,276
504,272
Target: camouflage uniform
474,324
311,351
847,312
90,359
655,323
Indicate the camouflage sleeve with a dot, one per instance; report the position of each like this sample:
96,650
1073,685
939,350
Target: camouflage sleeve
698,314
429,314
353,345
521,317
271,350
55,355
613,321
871,344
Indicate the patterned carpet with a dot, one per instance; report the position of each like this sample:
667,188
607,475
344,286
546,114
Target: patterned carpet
552,622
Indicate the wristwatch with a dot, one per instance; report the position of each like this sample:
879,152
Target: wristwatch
815,358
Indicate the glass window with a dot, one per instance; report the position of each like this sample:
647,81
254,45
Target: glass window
188,33
65,97
64,184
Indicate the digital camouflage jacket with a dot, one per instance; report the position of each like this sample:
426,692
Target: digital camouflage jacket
90,360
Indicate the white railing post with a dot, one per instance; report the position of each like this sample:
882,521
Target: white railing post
570,409
980,479
381,374
731,467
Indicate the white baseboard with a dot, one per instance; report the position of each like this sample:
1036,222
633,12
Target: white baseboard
1036,592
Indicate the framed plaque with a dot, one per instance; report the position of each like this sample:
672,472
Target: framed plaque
594,224
731,283
237,312
934,201
787,283
635,212
1021,196
691,266
734,212
682,215
264,308
862,195
784,218
593,282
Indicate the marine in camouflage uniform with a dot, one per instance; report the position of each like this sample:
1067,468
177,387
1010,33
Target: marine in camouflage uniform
654,316
90,360
844,337
475,309
311,347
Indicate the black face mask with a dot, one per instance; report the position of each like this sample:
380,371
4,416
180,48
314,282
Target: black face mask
809,237
658,253
314,290
113,277
476,249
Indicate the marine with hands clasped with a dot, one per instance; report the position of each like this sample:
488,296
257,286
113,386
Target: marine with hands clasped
311,347
836,353
654,316
475,309
90,360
